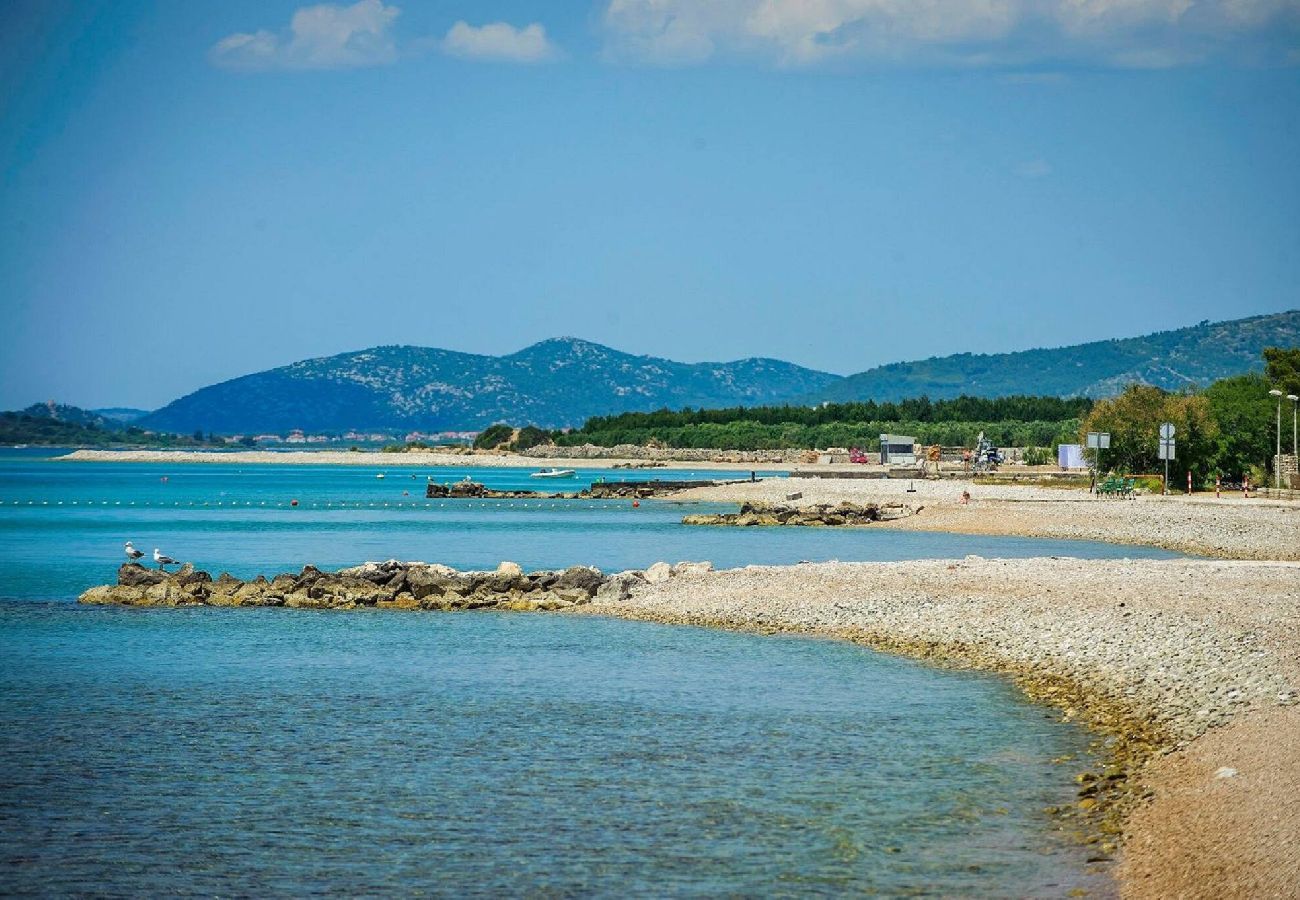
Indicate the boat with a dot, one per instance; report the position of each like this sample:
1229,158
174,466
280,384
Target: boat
554,473
380,475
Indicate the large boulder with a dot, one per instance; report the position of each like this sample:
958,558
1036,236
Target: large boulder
659,573
136,575
583,578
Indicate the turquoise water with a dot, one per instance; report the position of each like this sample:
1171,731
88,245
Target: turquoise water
254,752
62,525
238,752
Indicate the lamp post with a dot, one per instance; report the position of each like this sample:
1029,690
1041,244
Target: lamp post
1295,404
1295,450
1277,459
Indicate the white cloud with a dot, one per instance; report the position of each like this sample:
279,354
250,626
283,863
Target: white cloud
959,32
500,42
327,36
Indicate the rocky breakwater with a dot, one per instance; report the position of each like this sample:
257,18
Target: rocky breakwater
473,490
385,585
819,515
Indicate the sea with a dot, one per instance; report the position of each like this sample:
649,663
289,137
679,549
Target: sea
246,752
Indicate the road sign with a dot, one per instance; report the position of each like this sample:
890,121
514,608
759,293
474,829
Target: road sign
1167,431
1167,449
1098,440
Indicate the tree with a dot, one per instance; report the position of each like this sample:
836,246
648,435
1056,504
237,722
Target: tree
1244,413
1133,420
493,436
1282,368
530,436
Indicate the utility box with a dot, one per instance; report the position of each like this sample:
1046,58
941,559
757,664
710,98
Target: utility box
897,450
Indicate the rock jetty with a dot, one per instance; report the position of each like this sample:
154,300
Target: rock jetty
383,585
819,515
474,490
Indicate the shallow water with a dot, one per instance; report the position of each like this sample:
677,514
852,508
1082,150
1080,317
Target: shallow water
219,751
235,752
62,525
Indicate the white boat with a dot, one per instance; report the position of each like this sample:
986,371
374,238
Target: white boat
380,475
554,473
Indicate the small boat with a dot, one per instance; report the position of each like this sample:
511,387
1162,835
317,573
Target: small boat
380,475
554,473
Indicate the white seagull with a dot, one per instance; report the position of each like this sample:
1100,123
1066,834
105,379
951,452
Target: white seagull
132,553
163,560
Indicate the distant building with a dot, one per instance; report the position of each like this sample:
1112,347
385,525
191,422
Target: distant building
897,450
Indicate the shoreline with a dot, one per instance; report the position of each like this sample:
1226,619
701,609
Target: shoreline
1187,670
1194,703
1200,525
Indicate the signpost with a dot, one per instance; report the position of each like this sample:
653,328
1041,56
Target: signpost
1167,448
1099,441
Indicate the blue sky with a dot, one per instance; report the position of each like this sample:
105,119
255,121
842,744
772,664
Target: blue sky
193,191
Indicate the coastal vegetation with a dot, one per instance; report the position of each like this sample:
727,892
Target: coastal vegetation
77,428
1021,421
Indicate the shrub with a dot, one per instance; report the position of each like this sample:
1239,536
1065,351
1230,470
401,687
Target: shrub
493,436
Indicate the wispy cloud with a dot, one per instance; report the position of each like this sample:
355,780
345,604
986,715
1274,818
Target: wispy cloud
327,36
1033,168
500,42
1121,33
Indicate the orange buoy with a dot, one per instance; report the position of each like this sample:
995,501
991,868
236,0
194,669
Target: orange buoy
293,502
636,503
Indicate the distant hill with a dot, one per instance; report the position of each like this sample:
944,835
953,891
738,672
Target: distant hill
124,415
553,384
1168,359
60,425
71,415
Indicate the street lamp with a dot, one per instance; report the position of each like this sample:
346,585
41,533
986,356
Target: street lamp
1277,460
1294,406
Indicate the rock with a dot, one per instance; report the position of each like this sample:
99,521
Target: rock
136,575
692,568
423,583
658,573
1225,772
619,587
166,594
583,578
388,585
821,515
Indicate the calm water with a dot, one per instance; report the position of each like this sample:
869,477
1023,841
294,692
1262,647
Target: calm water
245,752
236,752
62,525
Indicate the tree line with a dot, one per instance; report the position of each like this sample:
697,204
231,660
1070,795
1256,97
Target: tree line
1225,429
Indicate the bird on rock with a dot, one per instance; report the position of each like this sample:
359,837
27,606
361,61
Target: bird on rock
132,553
163,560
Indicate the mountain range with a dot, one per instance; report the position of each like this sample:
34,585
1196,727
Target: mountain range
1171,360
554,384
560,382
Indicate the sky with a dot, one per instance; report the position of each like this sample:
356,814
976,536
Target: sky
193,191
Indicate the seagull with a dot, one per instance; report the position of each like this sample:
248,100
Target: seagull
132,553
162,560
